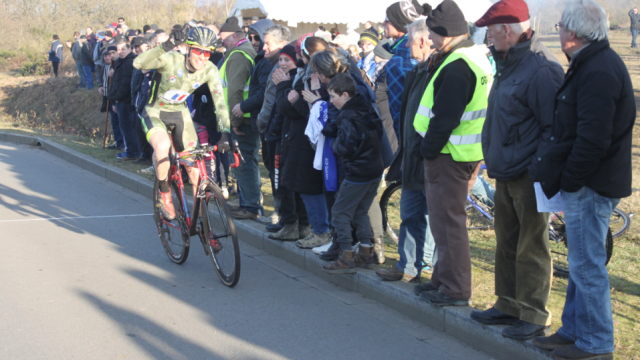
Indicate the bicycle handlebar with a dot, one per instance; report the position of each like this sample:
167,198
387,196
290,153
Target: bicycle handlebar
205,149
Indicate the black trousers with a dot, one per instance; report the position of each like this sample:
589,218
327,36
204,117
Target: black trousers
55,67
292,208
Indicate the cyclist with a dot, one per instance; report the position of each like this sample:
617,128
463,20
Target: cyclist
176,77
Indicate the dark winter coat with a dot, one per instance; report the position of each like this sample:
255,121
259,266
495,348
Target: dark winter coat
296,153
87,54
359,141
635,20
595,112
331,127
121,83
407,166
55,54
520,110
205,109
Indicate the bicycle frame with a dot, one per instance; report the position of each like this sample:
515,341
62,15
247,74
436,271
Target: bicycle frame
473,203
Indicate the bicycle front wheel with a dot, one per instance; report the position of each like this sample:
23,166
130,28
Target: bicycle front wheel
390,208
219,236
174,234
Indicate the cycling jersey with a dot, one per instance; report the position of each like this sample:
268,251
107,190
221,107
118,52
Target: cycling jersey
173,84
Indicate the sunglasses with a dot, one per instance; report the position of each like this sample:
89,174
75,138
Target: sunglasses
254,37
559,26
198,52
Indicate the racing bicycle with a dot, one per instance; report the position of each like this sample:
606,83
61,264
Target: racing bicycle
209,217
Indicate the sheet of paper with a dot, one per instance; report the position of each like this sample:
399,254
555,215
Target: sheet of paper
547,205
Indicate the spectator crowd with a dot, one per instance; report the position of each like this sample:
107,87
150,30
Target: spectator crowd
414,101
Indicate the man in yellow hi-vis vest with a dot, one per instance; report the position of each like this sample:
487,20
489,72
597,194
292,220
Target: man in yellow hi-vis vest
235,74
450,119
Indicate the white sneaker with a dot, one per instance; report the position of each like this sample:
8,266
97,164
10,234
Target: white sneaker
150,170
269,220
320,249
225,192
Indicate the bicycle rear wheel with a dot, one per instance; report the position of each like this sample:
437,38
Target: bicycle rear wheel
619,222
174,234
390,208
558,246
219,236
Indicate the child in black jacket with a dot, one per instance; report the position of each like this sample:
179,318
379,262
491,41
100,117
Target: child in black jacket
359,145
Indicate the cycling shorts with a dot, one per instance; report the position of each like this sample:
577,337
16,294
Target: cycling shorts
184,133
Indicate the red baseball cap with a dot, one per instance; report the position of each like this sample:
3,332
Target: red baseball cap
505,12
115,24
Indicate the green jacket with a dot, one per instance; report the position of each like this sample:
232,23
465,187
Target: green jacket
175,83
238,72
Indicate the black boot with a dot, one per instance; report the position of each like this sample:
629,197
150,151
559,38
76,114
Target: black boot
332,254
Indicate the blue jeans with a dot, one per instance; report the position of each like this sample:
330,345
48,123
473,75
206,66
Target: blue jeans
83,81
587,318
127,117
634,35
248,173
115,126
317,211
88,76
416,244
483,190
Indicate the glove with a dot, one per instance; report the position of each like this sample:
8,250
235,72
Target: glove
224,144
180,36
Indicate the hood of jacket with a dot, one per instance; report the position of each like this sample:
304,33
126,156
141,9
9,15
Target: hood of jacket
259,28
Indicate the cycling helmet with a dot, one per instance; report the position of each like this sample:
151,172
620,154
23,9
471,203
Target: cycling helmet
202,37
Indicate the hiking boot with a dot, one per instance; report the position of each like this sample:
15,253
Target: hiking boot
270,220
166,206
438,298
364,257
395,274
274,228
243,214
494,316
419,289
524,331
378,250
314,240
304,231
344,264
288,233
234,204
332,253
572,352
555,341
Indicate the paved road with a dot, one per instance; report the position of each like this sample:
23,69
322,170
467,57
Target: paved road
95,286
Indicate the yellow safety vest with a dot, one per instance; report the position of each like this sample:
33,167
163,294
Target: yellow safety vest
223,78
465,142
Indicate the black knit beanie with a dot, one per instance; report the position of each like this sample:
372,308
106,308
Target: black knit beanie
289,51
403,13
231,25
146,28
448,20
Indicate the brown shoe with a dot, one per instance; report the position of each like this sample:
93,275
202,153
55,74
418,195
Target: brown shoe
364,258
395,274
243,214
344,264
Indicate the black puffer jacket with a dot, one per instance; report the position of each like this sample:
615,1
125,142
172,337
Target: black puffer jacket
359,141
595,112
296,154
121,85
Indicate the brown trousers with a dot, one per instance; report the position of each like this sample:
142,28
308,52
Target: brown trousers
523,262
447,185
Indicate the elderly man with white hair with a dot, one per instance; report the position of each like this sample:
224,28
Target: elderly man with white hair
588,160
519,119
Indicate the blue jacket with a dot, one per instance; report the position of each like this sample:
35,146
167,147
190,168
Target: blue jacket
55,55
